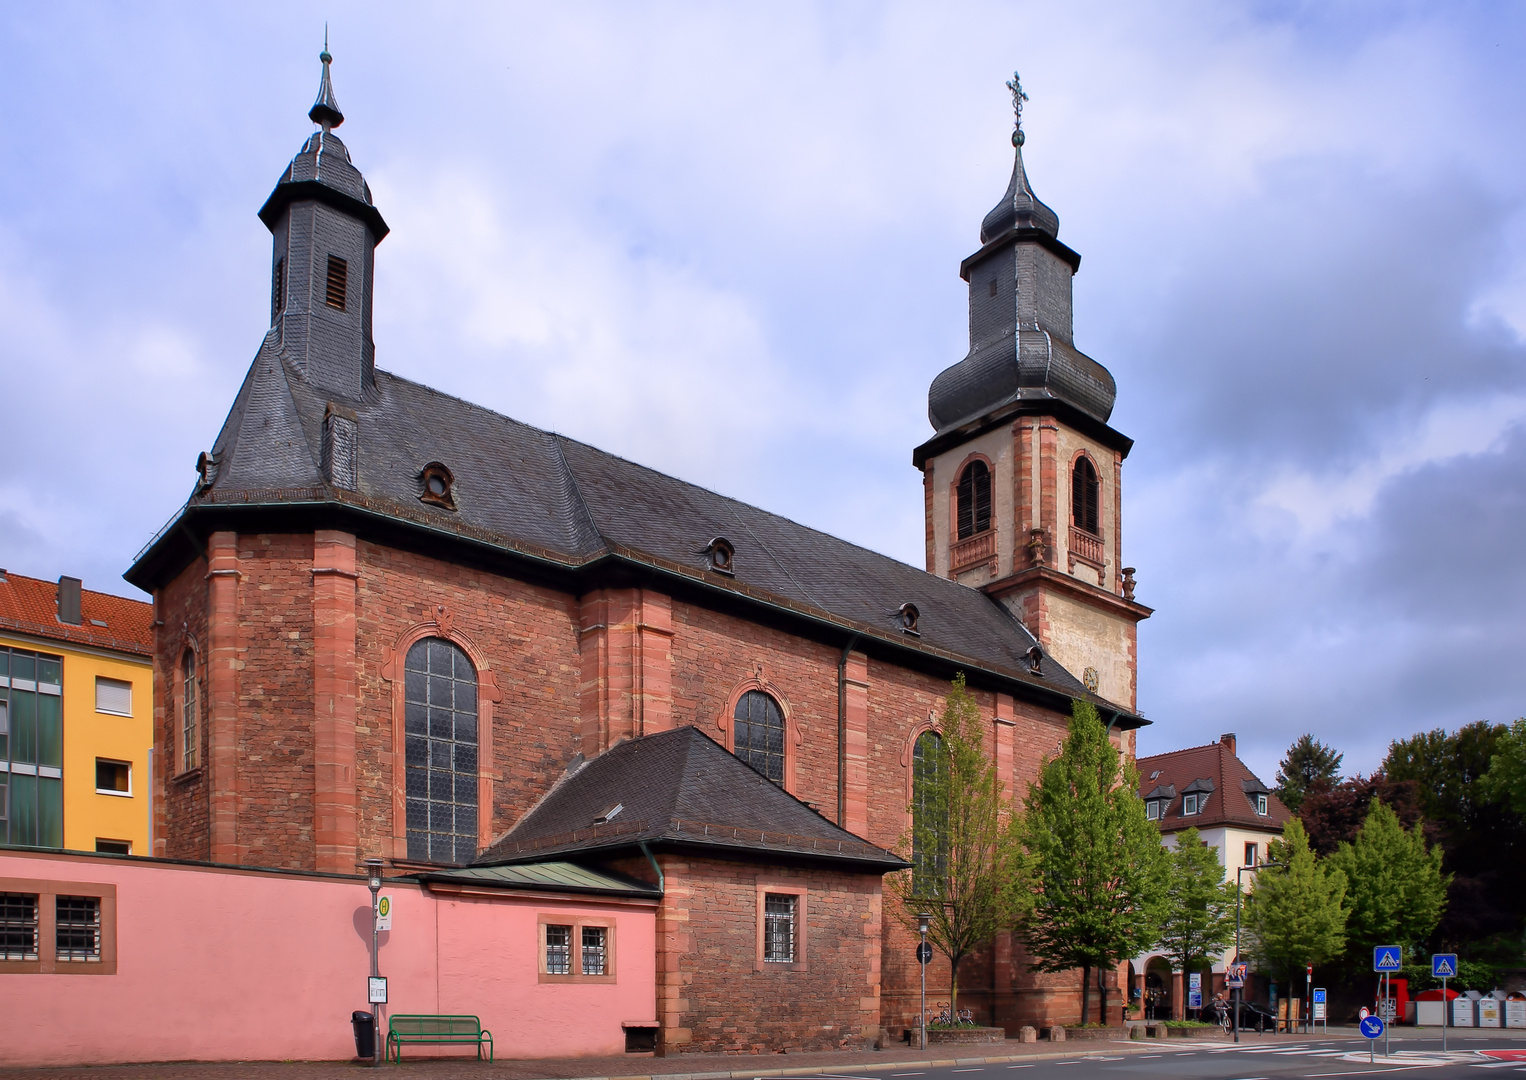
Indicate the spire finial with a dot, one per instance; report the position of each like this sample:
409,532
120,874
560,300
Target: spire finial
1015,84
325,111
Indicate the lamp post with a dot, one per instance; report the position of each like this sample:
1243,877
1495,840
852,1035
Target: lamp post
1239,894
922,920
374,883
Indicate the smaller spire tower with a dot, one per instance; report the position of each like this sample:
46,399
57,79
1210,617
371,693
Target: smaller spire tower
325,229
1023,471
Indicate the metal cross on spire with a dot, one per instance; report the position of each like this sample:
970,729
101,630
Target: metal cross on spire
1015,84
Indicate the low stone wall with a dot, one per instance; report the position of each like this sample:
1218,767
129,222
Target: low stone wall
966,1036
1073,1034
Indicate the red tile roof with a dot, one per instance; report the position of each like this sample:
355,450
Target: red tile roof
1229,803
30,606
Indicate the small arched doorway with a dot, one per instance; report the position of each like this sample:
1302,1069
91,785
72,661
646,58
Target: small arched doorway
1157,989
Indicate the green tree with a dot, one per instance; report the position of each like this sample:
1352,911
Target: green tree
1199,919
1309,765
963,843
1505,782
1296,915
1096,865
1395,890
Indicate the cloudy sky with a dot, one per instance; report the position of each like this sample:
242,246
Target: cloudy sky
724,240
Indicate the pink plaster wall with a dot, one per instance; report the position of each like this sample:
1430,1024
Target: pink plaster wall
254,965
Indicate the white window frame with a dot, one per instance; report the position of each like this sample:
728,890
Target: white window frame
1261,807
113,791
103,681
1189,805
1152,809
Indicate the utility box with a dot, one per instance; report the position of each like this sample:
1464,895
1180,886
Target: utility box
1465,1009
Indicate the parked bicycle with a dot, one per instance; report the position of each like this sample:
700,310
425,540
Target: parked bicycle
941,1016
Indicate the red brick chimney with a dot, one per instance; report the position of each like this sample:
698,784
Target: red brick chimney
1228,739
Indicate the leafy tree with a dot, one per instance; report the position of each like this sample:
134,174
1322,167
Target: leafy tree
1335,815
1309,765
963,842
1505,782
1097,867
1199,918
1296,915
1395,891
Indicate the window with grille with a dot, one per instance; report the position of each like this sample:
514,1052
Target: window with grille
190,711
278,289
974,497
1085,496
338,282
759,734
594,944
113,696
779,928
18,926
440,694
31,749
558,950
78,928
929,814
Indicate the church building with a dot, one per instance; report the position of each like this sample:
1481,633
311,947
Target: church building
393,624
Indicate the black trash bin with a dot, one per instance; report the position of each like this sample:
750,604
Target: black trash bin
365,1035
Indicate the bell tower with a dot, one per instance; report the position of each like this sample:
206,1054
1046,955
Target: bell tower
1022,475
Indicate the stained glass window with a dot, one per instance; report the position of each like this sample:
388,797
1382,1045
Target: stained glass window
440,742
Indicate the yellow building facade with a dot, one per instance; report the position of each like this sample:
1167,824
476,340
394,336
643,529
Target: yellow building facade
76,717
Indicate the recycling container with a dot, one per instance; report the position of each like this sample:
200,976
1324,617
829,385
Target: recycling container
1489,1011
1465,1009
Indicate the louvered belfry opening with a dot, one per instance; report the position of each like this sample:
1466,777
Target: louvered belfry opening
974,500
1084,496
278,289
338,281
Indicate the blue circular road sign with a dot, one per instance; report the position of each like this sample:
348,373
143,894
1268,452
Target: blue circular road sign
1372,1026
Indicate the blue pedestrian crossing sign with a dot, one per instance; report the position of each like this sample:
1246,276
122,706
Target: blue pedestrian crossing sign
1443,965
1386,958
1372,1026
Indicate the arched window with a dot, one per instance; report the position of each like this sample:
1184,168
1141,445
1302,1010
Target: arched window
1084,499
974,499
759,734
440,732
190,711
929,813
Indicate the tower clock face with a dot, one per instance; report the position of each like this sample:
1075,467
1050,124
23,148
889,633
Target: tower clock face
1090,679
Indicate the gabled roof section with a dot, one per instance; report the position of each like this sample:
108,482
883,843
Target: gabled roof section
679,788
1213,768
30,606
533,493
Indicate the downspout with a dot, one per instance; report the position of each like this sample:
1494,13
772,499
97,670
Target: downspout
842,732
661,884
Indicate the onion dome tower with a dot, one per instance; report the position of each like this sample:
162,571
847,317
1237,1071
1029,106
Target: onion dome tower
325,229
1022,473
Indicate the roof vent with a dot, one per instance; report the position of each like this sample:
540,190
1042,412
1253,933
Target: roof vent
1035,661
438,486
722,556
69,589
907,616
608,813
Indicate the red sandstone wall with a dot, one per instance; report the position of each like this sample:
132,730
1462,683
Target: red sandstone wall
180,799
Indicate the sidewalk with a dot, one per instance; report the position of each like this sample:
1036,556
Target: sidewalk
647,1067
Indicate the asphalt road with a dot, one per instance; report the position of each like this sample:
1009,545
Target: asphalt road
1254,1060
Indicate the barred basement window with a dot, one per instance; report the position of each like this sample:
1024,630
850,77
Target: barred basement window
558,950
18,926
79,928
338,282
974,497
1084,496
594,938
759,735
779,928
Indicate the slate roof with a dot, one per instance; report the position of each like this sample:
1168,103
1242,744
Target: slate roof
681,788
1231,799
556,875
544,496
30,606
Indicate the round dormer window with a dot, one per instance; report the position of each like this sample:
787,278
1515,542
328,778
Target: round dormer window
438,483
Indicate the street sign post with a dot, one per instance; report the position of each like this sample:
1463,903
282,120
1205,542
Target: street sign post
1371,1027
924,953
1386,959
1318,1012
1444,967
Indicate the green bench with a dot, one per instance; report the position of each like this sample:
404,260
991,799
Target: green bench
426,1028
